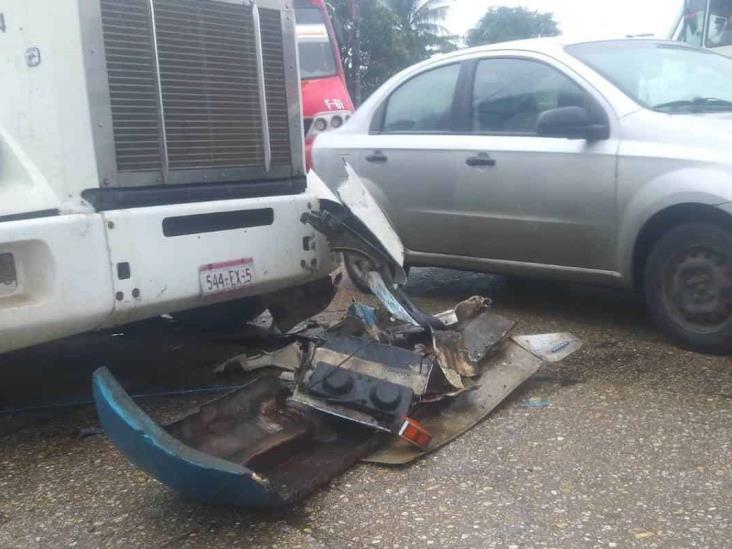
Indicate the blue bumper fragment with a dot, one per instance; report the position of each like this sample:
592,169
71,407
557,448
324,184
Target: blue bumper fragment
194,474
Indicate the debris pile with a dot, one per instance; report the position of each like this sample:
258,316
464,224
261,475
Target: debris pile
385,384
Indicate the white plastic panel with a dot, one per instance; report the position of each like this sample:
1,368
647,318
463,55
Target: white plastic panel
63,279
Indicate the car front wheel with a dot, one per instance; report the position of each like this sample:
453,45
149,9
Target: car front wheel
358,267
688,286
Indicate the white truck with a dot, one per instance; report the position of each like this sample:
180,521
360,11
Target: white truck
151,161
707,24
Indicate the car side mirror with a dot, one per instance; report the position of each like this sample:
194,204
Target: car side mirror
570,123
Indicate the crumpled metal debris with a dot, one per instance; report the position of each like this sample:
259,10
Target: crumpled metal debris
386,385
287,358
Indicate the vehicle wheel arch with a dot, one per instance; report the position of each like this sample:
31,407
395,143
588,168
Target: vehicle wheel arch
664,220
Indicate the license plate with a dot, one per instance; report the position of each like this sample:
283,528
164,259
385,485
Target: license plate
226,276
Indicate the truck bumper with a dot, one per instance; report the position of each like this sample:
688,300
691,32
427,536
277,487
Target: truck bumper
68,274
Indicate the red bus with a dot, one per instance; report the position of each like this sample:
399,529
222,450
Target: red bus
326,102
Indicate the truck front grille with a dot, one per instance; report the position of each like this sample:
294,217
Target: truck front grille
208,76
274,81
195,106
133,90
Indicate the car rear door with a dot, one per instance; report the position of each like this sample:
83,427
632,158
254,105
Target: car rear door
408,159
526,198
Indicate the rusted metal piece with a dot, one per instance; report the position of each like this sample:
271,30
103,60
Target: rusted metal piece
470,308
448,419
462,350
288,358
481,334
449,351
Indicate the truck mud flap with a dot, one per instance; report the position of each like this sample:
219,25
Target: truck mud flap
249,448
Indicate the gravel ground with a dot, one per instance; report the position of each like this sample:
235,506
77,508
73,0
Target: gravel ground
633,450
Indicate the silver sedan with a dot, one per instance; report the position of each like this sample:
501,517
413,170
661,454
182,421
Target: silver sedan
603,162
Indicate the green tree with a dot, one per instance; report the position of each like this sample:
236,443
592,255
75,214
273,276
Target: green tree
383,49
503,24
421,23
394,34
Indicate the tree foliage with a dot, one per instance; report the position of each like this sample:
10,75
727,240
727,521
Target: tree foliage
420,22
394,34
502,24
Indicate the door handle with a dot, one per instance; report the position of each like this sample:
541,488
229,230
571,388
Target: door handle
377,156
483,159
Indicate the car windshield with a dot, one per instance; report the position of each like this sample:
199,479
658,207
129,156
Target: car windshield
662,76
317,59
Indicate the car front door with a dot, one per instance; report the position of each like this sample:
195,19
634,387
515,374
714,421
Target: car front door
408,160
526,198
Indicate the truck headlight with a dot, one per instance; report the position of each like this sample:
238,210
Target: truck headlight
320,125
325,121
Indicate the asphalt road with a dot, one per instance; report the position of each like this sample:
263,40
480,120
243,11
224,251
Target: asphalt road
633,447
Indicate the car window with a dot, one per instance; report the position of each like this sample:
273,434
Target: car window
424,103
719,31
510,94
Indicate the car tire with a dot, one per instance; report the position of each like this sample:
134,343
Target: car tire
357,266
222,316
687,281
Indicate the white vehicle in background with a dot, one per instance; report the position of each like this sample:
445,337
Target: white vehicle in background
151,161
707,24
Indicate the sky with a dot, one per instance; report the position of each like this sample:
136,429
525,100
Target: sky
586,18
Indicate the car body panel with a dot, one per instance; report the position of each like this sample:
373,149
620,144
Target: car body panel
416,184
537,211
693,169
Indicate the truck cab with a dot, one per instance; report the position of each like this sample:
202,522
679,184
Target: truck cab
151,161
707,24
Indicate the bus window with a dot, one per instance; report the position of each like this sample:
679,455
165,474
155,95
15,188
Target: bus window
317,59
719,32
692,24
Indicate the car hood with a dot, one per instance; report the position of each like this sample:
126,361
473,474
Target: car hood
712,122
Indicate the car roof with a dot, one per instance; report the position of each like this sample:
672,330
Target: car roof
550,45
